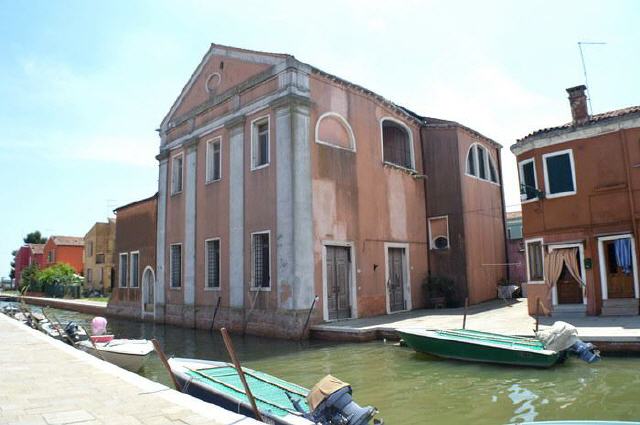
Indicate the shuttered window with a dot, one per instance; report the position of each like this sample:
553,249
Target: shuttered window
133,277
559,173
535,259
214,160
396,144
176,174
260,143
212,266
528,184
123,270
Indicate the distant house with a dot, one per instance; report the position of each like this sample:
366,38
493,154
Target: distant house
28,254
515,250
580,185
133,293
98,256
65,249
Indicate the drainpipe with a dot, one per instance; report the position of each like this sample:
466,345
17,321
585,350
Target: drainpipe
504,215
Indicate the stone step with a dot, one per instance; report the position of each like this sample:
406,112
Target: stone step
620,307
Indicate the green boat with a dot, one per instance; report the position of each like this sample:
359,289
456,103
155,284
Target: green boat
477,346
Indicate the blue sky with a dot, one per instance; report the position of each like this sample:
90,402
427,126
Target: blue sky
84,84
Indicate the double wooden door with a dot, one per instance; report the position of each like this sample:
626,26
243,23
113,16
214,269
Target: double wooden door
338,264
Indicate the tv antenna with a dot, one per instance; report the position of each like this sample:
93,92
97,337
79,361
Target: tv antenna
584,67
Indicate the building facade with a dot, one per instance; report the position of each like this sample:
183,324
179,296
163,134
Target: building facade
65,249
279,183
98,256
580,190
28,254
133,293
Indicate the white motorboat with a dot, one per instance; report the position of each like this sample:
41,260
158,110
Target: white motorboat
128,354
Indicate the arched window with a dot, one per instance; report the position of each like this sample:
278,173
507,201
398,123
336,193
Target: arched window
480,164
397,144
333,129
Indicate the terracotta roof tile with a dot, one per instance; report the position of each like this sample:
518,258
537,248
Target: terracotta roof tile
37,248
68,240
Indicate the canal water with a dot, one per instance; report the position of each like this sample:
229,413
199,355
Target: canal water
410,388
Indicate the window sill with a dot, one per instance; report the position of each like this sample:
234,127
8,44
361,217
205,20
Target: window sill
254,289
331,145
409,171
207,182
175,288
176,193
260,167
560,195
481,179
536,282
528,201
212,289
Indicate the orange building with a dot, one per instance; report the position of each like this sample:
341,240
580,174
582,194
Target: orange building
580,185
65,249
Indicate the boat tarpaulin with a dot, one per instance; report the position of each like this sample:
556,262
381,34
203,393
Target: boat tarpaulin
558,337
323,389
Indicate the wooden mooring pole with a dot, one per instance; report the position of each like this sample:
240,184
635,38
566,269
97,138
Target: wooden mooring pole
215,312
306,323
464,319
165,362
236,363
537,313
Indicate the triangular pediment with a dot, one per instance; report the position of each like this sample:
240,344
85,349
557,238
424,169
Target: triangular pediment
221,68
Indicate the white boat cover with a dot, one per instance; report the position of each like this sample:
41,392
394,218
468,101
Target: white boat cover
558,337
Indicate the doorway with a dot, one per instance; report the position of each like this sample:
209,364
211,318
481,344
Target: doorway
148,297
568,291
338,281
618,267
397,278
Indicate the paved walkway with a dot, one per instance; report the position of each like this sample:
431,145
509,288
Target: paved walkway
495,316
46,382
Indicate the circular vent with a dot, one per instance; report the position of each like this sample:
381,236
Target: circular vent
441,242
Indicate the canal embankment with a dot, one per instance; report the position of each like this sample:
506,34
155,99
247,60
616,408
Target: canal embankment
97,308
613,334
45,381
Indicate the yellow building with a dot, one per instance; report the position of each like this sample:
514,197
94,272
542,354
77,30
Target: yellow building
99,243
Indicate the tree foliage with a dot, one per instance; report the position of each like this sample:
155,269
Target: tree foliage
60,273
29,278
34,237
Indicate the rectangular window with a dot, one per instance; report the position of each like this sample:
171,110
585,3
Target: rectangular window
176,265
90,249
99,258
559,174
260,273
176,174
212,264
100,276
535,260
123,269
51,257
89,276
133,273
528,181
260,143
214,160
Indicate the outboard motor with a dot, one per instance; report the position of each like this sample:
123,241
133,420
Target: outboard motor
73,331
331,403
585,351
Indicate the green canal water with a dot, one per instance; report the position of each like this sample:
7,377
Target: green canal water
409,388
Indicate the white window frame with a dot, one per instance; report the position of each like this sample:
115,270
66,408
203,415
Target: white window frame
254,141
206,265
488,162
411,149
126,272
173,179
432,244
603,272
521,181
407,270
209,151
131,254
526,254
252,286
353,288
176,288
583,273
548,193
346,125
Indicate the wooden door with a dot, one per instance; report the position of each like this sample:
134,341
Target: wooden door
338,282
569,289
619,283
395,284
148,282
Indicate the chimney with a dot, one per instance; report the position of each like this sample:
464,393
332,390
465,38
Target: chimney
578,102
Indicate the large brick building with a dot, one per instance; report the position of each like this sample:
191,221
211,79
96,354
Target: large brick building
279,182
580,197
65,249
99,256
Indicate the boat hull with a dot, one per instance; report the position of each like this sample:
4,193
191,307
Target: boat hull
430,343
129,361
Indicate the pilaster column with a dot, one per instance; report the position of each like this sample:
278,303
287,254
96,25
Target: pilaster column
159,300
189,287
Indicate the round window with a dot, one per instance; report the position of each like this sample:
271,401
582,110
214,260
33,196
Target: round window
441,242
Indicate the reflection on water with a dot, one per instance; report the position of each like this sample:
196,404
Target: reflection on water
410,388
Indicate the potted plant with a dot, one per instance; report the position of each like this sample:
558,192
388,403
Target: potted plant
439,291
